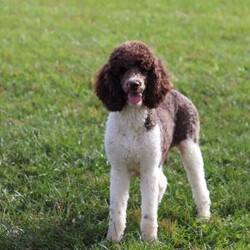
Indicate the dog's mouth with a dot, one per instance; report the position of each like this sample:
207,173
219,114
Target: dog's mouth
135,98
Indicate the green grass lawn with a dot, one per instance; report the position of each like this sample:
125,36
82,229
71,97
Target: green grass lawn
54,174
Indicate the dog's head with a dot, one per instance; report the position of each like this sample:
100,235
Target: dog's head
134,76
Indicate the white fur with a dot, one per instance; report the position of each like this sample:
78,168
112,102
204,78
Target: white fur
193,163
131,149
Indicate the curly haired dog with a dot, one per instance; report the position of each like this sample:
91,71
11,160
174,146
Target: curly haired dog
147,119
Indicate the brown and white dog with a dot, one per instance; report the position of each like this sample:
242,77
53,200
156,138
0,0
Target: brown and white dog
147,118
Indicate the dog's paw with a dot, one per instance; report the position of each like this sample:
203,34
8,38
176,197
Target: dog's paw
204,215
149,231
114,234
204,212
113,238
149,237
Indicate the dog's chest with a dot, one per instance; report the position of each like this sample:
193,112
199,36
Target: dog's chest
128,142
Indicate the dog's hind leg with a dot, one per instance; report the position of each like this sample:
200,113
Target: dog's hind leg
162,184
193,163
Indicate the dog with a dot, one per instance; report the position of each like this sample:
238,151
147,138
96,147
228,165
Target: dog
147,118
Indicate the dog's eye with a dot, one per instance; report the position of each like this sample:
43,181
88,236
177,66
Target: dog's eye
122,71
144,72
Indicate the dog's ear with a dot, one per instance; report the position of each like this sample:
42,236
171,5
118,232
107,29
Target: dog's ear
158,84
109,89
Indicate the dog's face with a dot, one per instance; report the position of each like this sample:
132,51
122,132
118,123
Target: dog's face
134,84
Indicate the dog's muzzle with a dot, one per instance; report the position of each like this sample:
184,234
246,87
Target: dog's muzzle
134,85
134,92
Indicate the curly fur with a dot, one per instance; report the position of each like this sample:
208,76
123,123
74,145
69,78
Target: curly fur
125,56
147,119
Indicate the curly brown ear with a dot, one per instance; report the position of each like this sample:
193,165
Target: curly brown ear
158,84
109,90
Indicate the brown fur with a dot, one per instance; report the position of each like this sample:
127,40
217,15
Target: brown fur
178,119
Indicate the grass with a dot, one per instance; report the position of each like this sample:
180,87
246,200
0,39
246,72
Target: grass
54,175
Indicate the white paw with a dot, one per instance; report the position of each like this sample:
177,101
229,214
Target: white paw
149,230
204,211
148,236
112,236
204,214
114,233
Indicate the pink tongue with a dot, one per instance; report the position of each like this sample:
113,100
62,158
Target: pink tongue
134,98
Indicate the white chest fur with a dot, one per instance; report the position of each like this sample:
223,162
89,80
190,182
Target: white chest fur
129,144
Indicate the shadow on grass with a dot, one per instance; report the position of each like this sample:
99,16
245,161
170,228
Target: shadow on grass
64,234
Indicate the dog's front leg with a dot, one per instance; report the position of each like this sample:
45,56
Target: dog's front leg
119,193
150,193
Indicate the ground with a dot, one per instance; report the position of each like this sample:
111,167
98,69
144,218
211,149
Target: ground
54,174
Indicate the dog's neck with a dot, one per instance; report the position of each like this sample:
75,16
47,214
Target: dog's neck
136,117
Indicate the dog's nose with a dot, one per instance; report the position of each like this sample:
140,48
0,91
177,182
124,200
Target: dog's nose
134,85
